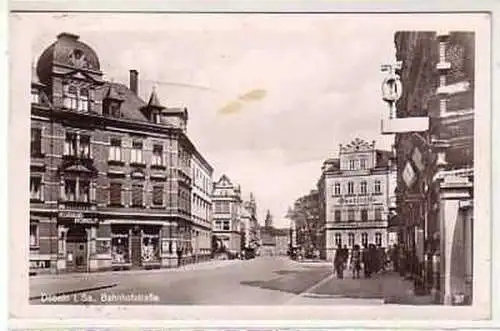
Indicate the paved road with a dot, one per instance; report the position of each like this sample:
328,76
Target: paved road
261,281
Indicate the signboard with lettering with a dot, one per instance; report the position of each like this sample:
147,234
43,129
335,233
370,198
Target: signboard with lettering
356,200
86,220
70,214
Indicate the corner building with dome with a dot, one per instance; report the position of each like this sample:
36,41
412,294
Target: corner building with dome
111,175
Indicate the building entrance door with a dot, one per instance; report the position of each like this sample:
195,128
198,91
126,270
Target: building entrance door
135,249
76,249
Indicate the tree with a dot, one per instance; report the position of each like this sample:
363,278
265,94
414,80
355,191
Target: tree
305,214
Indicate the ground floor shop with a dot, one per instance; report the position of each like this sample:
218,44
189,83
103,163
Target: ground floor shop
229,241
340,236
85,242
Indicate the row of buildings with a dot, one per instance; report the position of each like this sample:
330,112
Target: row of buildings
115,181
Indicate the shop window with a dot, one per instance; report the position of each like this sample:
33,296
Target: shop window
157,159
338,239
363,187
36,188
378,239
36,142
364,239
364,215
115,150
120,246
136,153
34,238
338,216
350,238
377,186
115,194
137,195
158,195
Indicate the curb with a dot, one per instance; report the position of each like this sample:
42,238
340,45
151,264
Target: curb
88,289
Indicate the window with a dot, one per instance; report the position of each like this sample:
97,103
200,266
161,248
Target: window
377,186
115,194
442,80
83,104
115,150
350,238
36,141
35,96
350,188
442,52
364,239
70,97
70,189
136,153
226,226
70,144
336,189
157,155
351,164
338,216
34,242
364,215
338,239
84,147
137,195
222,207
36,188
362,164
378,214
378,239
83,191
350,215
363,187
158,195
218,225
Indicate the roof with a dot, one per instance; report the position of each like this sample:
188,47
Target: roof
113,94
132,103
154,101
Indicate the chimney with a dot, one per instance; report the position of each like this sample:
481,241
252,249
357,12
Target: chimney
134,81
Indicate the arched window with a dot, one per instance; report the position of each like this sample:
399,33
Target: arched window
83,104
336,189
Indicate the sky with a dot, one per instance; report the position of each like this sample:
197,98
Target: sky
270,97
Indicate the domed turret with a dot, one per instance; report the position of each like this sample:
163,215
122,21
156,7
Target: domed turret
67,54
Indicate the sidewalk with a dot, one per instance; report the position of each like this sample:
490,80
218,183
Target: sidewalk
61,284
399,291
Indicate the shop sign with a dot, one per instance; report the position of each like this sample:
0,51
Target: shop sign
70,214
86,220
361,200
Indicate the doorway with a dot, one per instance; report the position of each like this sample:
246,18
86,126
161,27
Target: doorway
76,249
135,248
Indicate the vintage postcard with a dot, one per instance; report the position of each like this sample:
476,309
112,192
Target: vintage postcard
250,165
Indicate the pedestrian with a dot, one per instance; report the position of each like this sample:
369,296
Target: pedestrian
338,262
345,252
356,261
366,259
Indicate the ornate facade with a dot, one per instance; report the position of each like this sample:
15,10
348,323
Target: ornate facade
111,179
358,190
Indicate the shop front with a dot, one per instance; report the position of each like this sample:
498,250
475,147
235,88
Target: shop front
76,241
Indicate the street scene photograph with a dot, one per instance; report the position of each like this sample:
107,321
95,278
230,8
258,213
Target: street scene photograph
250,159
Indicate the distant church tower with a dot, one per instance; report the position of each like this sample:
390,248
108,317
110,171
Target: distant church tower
269,220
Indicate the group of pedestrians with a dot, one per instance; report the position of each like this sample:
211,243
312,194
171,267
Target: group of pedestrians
371,259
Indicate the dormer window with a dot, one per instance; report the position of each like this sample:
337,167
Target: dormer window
156,118
76,99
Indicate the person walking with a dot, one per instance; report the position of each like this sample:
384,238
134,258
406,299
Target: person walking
366,260
356,261
338,262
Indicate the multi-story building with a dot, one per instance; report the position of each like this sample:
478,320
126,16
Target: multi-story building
110,180
249,224
357,189
201,207
435,166
226,202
